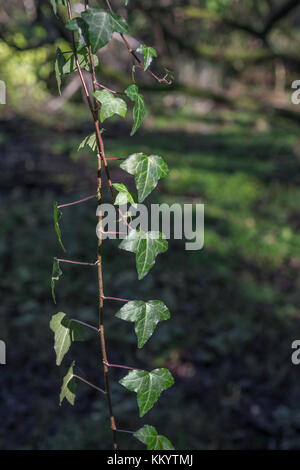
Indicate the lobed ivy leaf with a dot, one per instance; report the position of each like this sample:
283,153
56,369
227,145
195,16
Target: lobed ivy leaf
65,332
110,105
54,4
89,142
145,315
146,246
139,109
148,53
148,386
149,436
147,172
124,196
96,27
56,274
57,214
68,389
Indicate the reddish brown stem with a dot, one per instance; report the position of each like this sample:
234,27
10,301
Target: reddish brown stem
115,298
76,202
81,263
100,156
117,365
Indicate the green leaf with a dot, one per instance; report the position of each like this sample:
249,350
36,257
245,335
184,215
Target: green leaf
147,172
54,4
148,435
56,274
60,62
148,53
139,109
65,332
145,315
77,24
110,105
98,28
68,389
83,59
57,214
148,386
89,142
124,196
146,246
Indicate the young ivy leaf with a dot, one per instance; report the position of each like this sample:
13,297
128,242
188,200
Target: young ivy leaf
60,62
149,436
89,142
110,105
145,315
96,27
56,274
57,214
68,389
148,386
139,109
124,196
147,172
65,332
148,53
146,247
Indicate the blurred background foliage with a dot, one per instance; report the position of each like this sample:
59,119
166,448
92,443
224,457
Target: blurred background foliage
230,135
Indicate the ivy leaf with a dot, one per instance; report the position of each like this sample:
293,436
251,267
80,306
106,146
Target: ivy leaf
147,172
77,24
57,214
83,59
149,436
54,4
145,315
60,62
68,389
65,332
148,53
148,386
139,109
56,274
99,26
124,196
110,105
146,246
89,142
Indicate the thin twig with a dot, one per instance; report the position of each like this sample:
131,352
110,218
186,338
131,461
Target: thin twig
85,324
76,262
139,62
76,202
89,383
125,430
115,298
118,366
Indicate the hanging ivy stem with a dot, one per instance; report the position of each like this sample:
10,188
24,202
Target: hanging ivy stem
77,202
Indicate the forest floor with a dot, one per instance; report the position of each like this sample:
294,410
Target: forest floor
234,304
